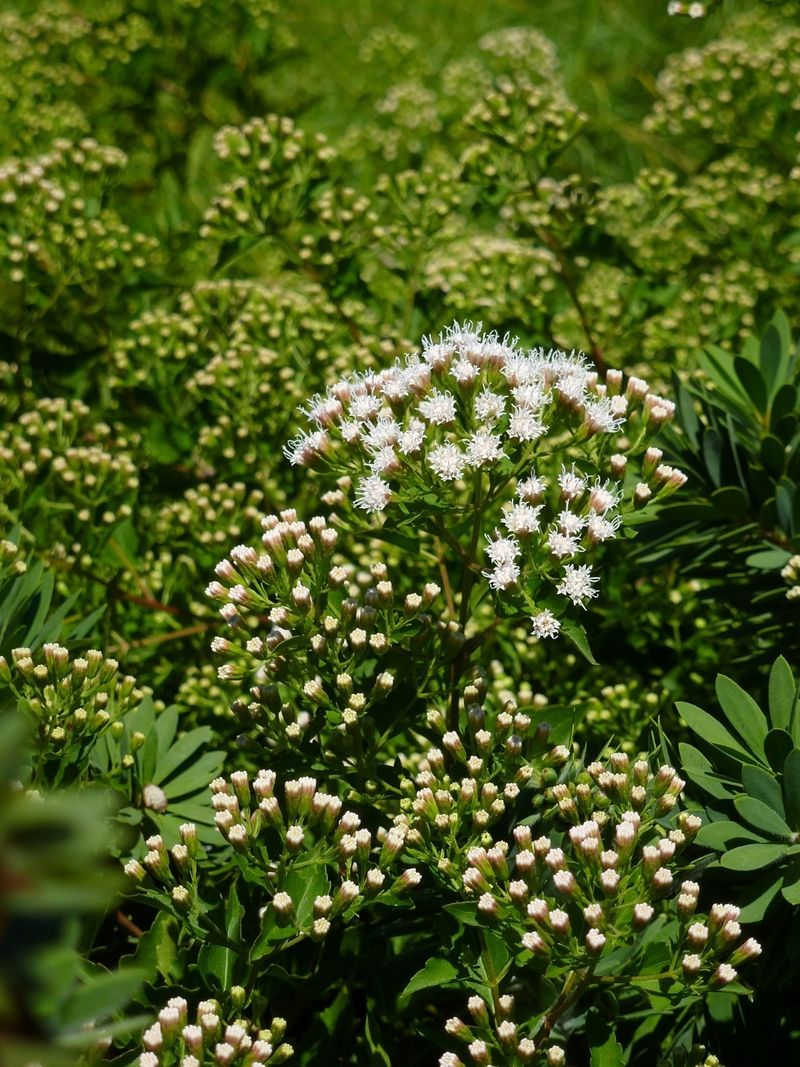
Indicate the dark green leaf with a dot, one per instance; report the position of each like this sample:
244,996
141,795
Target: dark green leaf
216,962
711,730
791,883
756,899
763,786
719,835
777,746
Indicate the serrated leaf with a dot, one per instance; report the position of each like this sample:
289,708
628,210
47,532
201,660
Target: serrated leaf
436,972
752,857
742,712
762,817
577,635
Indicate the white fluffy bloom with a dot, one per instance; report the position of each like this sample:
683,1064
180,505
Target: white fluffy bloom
373,493
561,544
600,528
502,550
532,396
601,417
384,460
577,584
522,519
531,489
571,484
569,522
484,448
464,372
447,461
304,447
364,406
489,406
525,425
409,441
503,576
545,624
382,433
439,408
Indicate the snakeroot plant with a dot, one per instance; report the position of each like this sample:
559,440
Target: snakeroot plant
390,805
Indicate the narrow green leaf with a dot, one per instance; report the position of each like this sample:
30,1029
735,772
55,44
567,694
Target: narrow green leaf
742,712
752,857
791,788
577,635
183,748
711,730
762,817
782,694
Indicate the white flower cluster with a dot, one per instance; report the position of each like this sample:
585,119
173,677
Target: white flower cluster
481,425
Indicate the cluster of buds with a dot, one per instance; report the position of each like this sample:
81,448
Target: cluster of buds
791,574
276,166
87,466
492,1037
471,405
71,700
307,827
172,870
172,1041
711,946
465,786
317,631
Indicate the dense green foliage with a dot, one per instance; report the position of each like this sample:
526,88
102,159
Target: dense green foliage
470,612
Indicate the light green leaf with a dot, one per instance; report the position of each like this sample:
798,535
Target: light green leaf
577,635
761,816
711,730
742,712
752,857
782,694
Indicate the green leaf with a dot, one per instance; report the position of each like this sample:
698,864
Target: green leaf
577,635
711,730
752,857
772,358
763,786
436,972
752,382
768,559
196,777
183,748
760,815
790,889
304,886
756,899
606,1051
216,962
791,788
742,712
782,694
777,747
101,995
699,770
719,835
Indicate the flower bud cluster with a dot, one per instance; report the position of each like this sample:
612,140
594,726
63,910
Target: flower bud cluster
84,467
174,1041
317,638
271,829
492,1037
474,778
791,575
172,870
276,167
71,700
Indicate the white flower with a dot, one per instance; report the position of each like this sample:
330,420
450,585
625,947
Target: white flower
489,406
351,432
464,372
569,522
382,433
503,576
447,461
303,448
439,408
522,519
503,550
410,440
545,624
373,494
483,448
600,416
364,407
599,528
603,496
531,488
572,484
561,545
524,425
577,584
